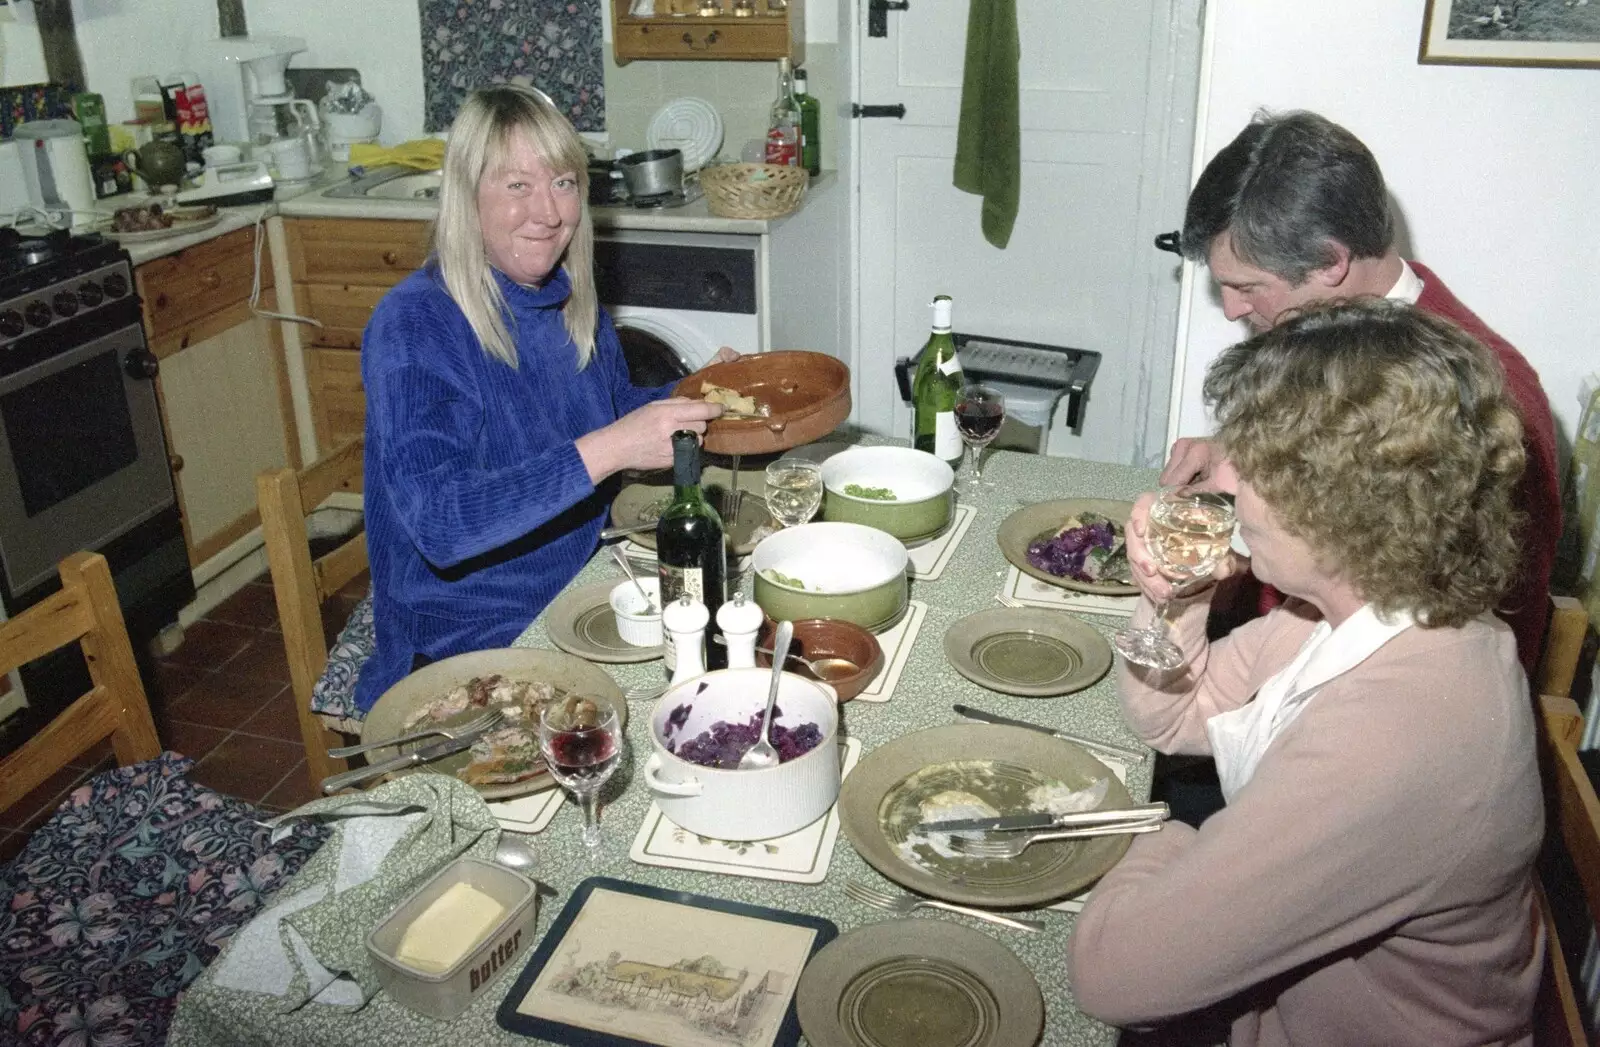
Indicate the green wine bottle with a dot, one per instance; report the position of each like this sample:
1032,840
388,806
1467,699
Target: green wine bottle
810,125
935,388
690,553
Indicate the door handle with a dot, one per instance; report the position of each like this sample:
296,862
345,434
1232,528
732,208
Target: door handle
898,111
878,15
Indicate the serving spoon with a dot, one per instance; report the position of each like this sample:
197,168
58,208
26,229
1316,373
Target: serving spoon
762,755
821,668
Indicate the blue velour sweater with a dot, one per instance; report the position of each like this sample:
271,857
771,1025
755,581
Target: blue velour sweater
478,508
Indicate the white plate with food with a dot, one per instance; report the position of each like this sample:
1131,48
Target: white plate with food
155,221
505,762
1076,543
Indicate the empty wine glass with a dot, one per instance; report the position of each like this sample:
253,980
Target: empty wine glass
794,490
581,740
1188,532
980,409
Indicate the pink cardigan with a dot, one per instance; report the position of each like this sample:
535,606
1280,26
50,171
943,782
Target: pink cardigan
1371,884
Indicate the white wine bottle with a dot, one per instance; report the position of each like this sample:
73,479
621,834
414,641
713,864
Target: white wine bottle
689,547
935,389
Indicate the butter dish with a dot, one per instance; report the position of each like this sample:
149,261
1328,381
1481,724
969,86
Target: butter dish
435,974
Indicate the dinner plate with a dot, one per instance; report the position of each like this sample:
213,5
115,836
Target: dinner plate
1027,651
882,801
1043,519
918,983
640,503
179,227
690,125
567,673
580,621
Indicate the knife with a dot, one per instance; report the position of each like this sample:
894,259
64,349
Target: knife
1121,752
424,754
1147,812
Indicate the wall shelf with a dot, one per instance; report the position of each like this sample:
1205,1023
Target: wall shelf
761,36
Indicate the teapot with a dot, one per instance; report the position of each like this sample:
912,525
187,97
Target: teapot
158,162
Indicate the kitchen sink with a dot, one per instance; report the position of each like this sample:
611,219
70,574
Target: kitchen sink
390,183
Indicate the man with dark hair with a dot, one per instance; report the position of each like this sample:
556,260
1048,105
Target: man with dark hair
1294,211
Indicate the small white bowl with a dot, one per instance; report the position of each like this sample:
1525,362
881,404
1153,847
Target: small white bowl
634,624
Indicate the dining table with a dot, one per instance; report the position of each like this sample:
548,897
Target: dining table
922,697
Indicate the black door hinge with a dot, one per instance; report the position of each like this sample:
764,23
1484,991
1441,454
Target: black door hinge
1172,241
897,110
878,15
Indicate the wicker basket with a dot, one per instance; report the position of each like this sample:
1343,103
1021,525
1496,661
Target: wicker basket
752,190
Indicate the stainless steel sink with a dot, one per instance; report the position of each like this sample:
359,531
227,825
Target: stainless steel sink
390,183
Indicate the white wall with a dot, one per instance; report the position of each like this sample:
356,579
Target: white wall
21,54
1493,169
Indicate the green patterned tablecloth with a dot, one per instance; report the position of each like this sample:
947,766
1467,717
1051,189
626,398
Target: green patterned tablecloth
922,698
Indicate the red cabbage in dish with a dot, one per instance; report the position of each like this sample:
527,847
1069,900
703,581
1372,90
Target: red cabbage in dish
724,743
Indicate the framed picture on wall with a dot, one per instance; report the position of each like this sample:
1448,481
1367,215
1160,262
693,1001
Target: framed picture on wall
1511,32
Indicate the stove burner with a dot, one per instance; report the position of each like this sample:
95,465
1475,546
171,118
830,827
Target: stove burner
32,252
675,198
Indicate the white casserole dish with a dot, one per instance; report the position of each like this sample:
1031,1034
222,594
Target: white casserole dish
744,805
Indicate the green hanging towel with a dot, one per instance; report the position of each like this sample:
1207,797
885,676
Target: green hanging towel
989,137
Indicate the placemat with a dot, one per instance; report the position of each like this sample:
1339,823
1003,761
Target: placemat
528,814
1034,593
803,856
928,561
896,643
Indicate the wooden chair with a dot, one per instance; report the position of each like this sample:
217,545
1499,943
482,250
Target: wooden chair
1573,820
85,611
302,585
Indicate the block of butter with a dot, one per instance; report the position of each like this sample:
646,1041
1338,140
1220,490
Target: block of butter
448,929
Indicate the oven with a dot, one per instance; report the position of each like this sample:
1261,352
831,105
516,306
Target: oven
83,459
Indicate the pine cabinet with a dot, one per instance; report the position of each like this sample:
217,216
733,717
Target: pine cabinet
764,34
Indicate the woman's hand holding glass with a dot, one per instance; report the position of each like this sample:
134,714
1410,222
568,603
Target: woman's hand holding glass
1175,536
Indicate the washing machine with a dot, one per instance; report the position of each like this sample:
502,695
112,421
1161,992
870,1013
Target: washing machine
676,297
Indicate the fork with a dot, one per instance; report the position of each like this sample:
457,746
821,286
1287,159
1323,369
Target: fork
644,692
1009,601
1013,844
904,903
477,723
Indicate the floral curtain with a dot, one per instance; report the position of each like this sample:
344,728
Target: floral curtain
554,45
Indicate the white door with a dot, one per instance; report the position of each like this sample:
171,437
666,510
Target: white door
1107,101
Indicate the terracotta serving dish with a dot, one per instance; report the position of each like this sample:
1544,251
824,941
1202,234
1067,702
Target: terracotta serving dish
821,639
808,395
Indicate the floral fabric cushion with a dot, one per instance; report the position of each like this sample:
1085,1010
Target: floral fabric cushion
123,896
335,693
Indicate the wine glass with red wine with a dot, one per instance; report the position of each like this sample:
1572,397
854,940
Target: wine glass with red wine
581,740
979,411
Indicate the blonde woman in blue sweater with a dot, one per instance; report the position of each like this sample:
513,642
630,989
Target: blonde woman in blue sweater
498,399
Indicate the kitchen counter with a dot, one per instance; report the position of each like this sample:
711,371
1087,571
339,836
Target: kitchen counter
694,217
232,218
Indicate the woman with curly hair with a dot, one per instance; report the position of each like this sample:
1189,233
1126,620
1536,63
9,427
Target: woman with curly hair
1369,881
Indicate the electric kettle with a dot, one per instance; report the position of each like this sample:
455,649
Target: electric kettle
55,168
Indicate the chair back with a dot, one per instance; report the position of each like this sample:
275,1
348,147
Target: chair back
1572,829
85,612
302,585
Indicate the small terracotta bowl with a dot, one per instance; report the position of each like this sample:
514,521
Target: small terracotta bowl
824,638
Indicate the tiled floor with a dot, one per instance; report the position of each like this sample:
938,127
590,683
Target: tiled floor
222,699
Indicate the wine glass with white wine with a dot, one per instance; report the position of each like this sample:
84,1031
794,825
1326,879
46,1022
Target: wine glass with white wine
1188,532
794,490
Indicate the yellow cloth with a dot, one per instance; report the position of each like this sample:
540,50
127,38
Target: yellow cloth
425,154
